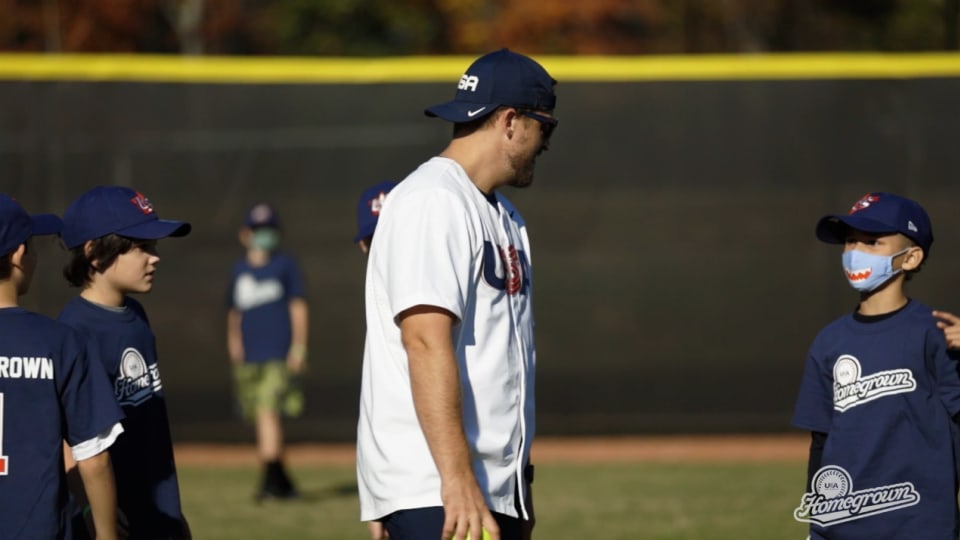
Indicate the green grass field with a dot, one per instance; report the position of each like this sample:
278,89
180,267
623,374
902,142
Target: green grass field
651,501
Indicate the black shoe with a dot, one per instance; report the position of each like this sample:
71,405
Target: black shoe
275,493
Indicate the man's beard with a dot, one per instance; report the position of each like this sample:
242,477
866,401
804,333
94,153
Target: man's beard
524,167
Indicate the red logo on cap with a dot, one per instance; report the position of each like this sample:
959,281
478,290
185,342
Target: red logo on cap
864,203
142,203
376,203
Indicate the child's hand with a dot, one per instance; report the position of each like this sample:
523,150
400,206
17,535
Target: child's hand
297,359
950,324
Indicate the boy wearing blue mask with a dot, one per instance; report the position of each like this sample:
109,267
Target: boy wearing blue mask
881,392
267,342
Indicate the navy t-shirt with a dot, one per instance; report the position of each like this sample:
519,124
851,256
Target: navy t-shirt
48,392
262,295
146,477
885,393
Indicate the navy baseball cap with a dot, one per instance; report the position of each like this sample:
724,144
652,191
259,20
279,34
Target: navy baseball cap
880,213
262,215
500,78
115,210
368,209
16,225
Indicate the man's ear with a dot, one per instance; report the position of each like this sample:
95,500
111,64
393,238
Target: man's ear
508,117
912,259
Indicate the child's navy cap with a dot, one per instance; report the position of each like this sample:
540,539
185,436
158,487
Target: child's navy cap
368,209
16,225
262,215
500,78
880,213
115,210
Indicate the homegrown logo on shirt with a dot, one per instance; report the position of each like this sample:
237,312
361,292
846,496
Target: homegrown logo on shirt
136,382
852,388
833,500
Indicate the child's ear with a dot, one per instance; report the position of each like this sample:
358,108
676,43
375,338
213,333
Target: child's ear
16,258
912,259
88,252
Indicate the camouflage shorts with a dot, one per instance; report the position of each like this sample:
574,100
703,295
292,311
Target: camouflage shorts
267,386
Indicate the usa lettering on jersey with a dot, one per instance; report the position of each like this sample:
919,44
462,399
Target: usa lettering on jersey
26,367
515,277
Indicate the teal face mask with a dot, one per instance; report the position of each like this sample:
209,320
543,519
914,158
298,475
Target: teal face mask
265,238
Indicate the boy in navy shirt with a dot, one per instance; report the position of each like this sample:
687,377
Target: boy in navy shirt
880,391
112,235
48,393
267,342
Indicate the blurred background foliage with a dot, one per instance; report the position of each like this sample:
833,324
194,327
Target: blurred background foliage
406,27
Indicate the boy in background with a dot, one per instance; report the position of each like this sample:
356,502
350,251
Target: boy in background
880,392
267,342
112,234
368,212
48,393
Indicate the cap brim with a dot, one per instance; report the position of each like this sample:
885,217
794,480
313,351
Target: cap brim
154,230
460,111
832,229
43,224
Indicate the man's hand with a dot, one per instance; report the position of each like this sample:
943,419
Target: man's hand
950,324
465,510
377,531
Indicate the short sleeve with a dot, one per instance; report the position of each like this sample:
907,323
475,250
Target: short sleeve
429,258
293,280
229,296
814,406
86,396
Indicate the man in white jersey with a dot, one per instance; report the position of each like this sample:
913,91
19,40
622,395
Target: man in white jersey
447,399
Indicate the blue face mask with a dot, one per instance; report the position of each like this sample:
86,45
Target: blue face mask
866,271
265,238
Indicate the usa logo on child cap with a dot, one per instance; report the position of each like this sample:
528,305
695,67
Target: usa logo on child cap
116,210
863,203
142,203
262,215
368,208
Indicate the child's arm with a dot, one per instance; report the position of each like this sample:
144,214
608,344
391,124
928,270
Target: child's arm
299,317
234,337
97,475
817,441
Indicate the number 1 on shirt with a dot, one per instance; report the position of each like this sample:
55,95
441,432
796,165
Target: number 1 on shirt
3,458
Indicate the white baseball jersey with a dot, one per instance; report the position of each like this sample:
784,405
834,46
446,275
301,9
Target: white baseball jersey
440,242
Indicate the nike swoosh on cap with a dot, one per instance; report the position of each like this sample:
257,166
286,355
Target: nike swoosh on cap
471,114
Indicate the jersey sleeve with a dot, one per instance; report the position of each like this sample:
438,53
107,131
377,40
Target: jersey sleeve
293,280
228,294
88,404
429,259
946,370
814,406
